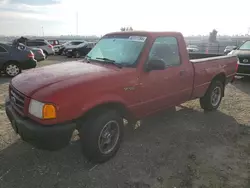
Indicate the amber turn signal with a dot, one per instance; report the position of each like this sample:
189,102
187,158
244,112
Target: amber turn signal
49,111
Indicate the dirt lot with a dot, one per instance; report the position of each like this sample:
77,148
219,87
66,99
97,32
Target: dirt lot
186,148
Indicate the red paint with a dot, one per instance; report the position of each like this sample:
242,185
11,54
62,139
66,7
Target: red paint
76,87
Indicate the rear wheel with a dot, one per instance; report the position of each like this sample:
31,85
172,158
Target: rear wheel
212,99
46,54
101,136
12,69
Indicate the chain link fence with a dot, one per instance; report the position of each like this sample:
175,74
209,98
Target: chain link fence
213,48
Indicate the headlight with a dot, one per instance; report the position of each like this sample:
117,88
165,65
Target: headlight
230,53
70,50
42,110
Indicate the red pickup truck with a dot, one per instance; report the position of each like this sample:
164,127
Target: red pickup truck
127,75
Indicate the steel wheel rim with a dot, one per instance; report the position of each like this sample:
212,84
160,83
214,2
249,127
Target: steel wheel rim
216,96
12,70
109,137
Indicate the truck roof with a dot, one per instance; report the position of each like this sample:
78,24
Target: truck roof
146,33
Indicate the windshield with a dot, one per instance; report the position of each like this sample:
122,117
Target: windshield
245,46
67,43
123,50
76,43
81,45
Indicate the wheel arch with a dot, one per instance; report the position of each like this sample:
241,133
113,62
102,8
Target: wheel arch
220,77
10,61
45,52
100,108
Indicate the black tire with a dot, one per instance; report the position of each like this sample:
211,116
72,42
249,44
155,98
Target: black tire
60,52
12,69
208,101
46,54
90,135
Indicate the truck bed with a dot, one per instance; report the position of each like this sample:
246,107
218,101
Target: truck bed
206,68
197,55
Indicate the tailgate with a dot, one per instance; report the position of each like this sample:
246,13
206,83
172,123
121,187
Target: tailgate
206,69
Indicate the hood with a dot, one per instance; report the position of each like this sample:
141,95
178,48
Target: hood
241,53
34,79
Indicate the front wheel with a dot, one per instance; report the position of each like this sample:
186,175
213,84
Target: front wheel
212,99
12,69
101,136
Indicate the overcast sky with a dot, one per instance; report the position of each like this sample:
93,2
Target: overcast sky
97,17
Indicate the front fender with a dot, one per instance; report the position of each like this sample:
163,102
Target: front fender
105,99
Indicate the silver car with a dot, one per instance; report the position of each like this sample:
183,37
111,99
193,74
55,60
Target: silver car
43,44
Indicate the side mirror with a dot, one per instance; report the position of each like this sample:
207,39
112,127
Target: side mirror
155,64
235,48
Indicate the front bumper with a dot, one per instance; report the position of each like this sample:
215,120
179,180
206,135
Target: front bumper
45,137
243,70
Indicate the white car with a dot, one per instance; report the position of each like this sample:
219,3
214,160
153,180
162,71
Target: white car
43,44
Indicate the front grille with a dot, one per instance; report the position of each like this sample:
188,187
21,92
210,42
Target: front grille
244,60
17,100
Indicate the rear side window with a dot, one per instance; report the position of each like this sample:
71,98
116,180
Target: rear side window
166,49
36,43
2,50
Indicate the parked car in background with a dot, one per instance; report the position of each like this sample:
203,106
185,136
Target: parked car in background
243,54
80,50
192,48
127,75
59,49
54,42
43,44
13,59
229,49
38,52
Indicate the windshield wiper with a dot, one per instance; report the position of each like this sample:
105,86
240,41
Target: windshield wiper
111,61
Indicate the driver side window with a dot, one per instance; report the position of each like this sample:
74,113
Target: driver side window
166,49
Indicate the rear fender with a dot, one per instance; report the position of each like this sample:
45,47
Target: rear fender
220,77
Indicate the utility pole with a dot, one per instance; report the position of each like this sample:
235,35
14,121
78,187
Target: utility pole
76,23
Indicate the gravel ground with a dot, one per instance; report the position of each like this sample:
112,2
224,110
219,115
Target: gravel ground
185,148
